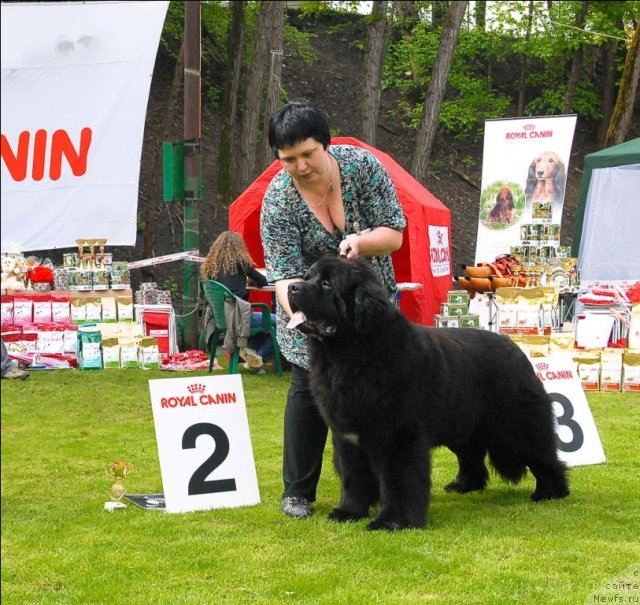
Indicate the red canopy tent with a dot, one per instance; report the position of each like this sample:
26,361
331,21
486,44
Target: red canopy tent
412,263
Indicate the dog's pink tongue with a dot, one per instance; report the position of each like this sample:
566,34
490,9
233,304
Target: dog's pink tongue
296,319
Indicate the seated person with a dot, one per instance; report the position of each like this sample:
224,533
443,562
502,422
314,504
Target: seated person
229,262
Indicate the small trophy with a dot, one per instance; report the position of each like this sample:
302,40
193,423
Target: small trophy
100,259
118,470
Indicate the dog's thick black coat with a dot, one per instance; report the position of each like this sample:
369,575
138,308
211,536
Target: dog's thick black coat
391,390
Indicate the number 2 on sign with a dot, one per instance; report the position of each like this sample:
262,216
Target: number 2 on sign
198,484
566,419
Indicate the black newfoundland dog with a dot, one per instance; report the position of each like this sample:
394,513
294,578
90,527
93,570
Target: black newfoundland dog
391,390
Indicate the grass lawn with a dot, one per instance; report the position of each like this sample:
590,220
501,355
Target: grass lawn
61,428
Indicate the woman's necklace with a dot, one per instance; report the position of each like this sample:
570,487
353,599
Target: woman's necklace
326,193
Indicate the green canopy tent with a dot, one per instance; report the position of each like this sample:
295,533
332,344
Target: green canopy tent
607,237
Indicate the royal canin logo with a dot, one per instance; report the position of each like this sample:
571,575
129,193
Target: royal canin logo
197,396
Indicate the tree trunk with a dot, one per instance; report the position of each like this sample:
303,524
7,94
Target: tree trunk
576,66
623,112
254,97
439,13
406,10
481,14
230,101
373,70
437,88
524,68
275,78
608,89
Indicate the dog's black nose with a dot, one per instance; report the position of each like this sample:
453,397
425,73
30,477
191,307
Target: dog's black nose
294,287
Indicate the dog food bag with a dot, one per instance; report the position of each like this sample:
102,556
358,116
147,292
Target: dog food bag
562,344
60,307
550,308
94,309
29,338
78,310
589,369
41,307
70,337
148,354
89,348
611,370
445,321
631,371
128,352
125,308
6,302
507,301
22,310
530,310
535,345
50,338
109,310
111,353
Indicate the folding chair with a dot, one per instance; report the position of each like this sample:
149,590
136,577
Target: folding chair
215,294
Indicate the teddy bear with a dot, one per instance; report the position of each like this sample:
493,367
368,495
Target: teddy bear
13,272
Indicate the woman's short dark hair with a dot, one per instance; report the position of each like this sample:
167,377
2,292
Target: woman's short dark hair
295,122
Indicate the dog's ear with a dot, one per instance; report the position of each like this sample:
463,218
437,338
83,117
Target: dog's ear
561,174
510,198
368,306
532,180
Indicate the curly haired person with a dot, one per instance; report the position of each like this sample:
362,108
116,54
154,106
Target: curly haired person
229,263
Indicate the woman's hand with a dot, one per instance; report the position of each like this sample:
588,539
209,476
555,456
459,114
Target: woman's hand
375,242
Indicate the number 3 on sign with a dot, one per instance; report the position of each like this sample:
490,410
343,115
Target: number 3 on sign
577,435
204,445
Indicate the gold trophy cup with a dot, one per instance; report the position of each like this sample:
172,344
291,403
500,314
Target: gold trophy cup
118,470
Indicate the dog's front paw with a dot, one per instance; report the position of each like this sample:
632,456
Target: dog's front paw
341,516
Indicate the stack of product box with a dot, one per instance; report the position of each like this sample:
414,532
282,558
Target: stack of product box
455,312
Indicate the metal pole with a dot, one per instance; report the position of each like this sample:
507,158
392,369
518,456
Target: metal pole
192,132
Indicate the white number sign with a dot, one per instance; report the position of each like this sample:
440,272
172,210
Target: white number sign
578,439
202,431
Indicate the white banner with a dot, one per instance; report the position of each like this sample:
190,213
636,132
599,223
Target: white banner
524,174
75,86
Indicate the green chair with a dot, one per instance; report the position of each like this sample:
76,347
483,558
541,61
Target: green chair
215,294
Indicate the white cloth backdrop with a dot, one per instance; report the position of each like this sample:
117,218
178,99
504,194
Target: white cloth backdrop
70,68
610,248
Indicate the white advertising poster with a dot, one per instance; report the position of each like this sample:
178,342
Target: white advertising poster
578,439
524,175
75,86
204,444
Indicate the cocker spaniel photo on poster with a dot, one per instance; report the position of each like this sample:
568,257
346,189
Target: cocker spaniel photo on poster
501,205
502,212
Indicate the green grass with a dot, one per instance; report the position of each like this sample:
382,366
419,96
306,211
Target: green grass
60,429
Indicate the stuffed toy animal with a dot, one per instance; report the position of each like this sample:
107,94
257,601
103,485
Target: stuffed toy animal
13,272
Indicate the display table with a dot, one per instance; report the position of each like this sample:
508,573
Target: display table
70,293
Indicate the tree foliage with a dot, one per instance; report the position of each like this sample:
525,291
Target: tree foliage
515,57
